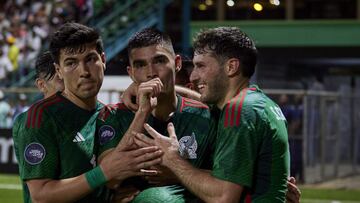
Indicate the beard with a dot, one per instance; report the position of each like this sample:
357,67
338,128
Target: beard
215,90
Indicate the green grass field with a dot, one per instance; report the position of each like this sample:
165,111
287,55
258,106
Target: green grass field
10,192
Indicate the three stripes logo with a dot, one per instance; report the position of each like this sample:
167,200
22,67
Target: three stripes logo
79,138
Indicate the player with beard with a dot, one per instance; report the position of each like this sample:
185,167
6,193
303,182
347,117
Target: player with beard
251,159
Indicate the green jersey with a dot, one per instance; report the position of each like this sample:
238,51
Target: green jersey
252,146
191,120
54,139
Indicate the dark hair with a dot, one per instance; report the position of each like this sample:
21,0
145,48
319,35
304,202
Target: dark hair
73,37
149,37
228,42
44,66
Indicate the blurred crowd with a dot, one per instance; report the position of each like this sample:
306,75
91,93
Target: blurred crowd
24,29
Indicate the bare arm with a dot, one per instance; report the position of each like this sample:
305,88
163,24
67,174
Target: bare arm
118,165
201,183
65,190
186,92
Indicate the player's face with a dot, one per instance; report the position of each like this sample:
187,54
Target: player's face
154,61
209,78
82,72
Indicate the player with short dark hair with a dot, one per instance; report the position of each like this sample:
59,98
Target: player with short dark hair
153,65
46,79
54,139
251,159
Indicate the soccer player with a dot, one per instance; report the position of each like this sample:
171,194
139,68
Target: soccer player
251,160
153,65
47,81
54,139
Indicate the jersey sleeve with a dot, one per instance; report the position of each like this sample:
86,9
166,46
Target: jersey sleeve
36,146
236,147
111,127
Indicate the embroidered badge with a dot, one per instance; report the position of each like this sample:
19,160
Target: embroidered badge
34,153
106,133
188,146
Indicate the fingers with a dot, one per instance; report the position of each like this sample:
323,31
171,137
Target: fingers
143,140
127,96
146,172
143,151
152,87
171,131
148,157
147,164
152,132
293,193
292,180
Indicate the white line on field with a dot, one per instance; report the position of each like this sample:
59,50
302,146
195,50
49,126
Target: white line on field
10,186
326,201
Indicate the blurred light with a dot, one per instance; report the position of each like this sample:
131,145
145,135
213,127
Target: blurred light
275,2
209,2
258,7
230,3
202,7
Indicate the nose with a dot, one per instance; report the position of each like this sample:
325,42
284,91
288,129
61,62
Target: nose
152,72
194,76
84,70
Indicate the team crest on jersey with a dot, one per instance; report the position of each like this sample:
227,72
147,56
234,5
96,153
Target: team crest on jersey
106,133
188,146
34,153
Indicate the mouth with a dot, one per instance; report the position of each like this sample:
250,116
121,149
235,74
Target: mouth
201,87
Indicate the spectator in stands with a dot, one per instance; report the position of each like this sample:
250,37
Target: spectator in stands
5,112
21,106
13,54
47,81
5,67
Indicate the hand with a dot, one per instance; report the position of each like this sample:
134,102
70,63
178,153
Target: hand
160,176
293,192
127,96
128,142
147,93
125,194
120,165
169,145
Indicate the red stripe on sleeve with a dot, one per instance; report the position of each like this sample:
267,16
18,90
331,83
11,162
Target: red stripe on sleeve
226,115
39,117
233,109
182,104
248,198
240,107
33,110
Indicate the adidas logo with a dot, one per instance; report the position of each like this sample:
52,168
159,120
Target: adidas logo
78,138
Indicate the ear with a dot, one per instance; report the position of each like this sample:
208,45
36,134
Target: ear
232,67
40,84
103,59
130,73
57,68
178,63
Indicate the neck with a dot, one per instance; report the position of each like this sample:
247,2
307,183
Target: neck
235,86
166,104
87,104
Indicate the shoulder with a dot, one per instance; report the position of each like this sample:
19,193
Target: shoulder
244,106
191,106
111,110
37,111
